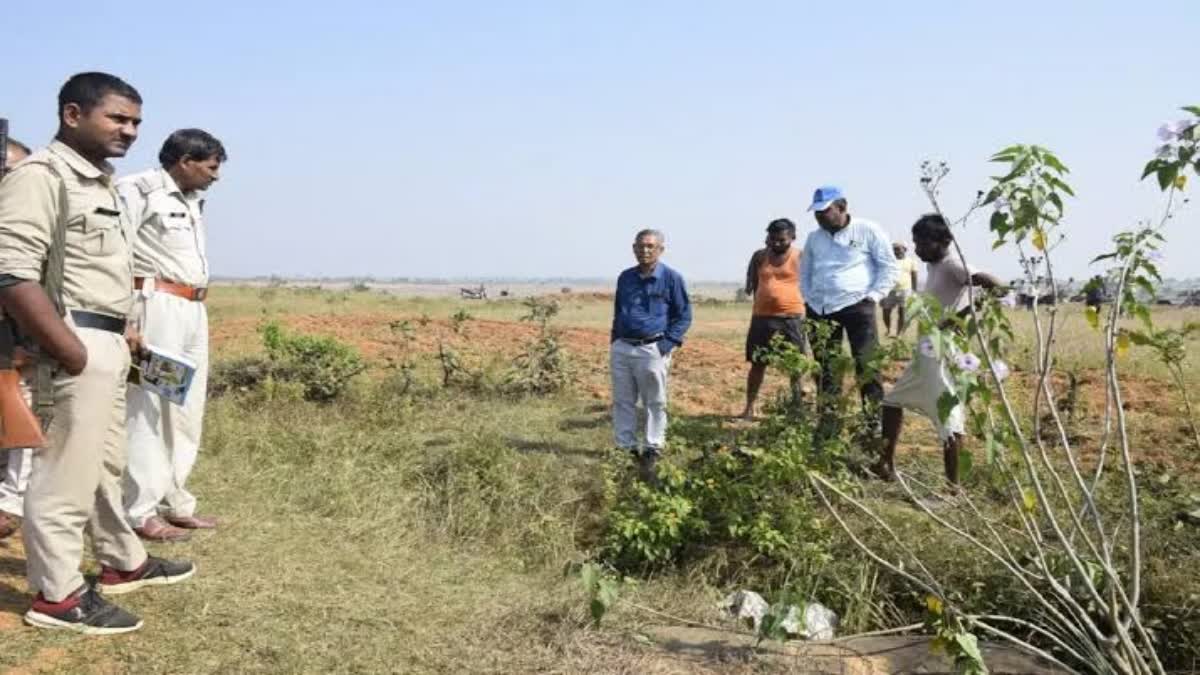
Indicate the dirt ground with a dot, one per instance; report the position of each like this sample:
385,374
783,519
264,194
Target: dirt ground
708,375
708,378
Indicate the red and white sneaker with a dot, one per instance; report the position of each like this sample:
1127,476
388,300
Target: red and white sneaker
153,572
84,611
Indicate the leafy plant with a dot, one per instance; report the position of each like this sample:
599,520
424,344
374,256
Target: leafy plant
750,498
321,365
953,638
403,362
1080,570
309,367
454,371
544,366
1170,347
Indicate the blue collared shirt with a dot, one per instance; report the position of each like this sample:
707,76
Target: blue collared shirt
838,270
654,305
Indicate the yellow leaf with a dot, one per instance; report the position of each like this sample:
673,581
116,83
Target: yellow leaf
1030,499
1093,317
1180,181
1039,240
934,604
1122,344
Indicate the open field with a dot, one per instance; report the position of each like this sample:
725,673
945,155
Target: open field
427,532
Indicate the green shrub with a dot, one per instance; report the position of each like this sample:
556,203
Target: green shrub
322,364
544,366
751,499
238,375
310,367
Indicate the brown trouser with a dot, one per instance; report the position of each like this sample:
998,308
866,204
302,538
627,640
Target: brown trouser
75,487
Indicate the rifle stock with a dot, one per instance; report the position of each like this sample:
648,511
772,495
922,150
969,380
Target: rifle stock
19,427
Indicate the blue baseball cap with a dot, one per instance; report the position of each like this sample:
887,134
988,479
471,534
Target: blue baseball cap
824,196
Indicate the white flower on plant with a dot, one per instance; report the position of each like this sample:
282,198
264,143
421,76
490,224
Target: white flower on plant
968,362
926,347
1168,152
1002,205
1167,133
1000,370
1181,127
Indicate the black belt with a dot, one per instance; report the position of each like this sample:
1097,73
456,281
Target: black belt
111,324
638,342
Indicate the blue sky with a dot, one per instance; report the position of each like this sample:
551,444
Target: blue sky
531,139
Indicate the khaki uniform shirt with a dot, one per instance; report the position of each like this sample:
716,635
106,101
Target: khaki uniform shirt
98,260
171,239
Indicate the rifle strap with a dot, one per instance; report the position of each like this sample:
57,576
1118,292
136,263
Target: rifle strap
52,283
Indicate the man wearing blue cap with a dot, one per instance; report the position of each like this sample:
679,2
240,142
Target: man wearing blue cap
848,266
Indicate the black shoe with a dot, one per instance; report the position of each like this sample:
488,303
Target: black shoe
86,611
646,468
154,572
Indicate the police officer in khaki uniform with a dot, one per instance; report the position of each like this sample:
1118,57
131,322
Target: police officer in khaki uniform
170,265
65,273
18,461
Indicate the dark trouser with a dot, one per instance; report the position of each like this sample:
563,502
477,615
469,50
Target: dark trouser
859,323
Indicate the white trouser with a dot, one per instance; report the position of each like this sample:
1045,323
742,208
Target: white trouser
16,479
639,371
164,438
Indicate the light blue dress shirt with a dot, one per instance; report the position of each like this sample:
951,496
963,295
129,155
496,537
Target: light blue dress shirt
839,270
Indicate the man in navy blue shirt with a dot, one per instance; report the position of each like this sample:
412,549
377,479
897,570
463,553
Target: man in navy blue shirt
651,314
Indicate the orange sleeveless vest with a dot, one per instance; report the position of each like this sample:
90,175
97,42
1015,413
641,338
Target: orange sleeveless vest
778,292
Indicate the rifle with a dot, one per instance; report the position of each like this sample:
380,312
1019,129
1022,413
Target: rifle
19,427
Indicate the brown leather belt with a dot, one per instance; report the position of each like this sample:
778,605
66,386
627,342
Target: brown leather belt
193,293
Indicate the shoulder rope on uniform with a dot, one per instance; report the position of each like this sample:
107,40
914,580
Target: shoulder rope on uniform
148,183
52,282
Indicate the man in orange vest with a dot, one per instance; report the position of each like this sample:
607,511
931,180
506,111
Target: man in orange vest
774,281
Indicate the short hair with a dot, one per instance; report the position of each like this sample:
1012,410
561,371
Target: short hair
657,234
781,225
934,227
87,89
840,203
14,144
194,144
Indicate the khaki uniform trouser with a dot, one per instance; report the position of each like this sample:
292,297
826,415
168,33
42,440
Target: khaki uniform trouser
75,486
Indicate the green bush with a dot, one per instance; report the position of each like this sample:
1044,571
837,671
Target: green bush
749,495
752,499
238,375
544,366
322,364
310,367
